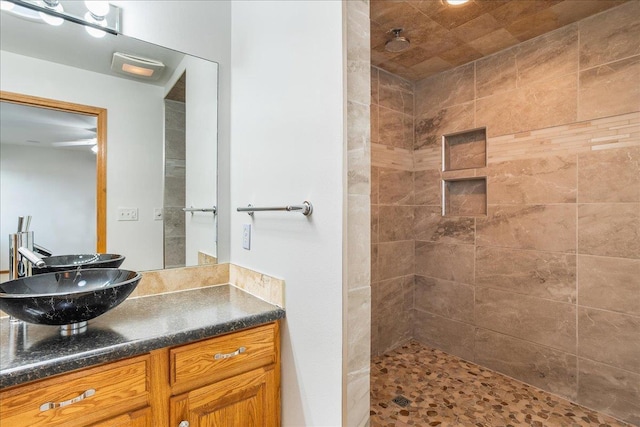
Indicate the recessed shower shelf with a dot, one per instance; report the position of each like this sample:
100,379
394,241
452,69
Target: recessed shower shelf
464,150
464,197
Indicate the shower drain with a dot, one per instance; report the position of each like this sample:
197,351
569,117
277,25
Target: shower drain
401,401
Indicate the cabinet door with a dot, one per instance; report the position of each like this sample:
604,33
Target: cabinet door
248,400
141,418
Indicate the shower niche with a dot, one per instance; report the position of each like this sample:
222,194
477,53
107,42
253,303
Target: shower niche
463,153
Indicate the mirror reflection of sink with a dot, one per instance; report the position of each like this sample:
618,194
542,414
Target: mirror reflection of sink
72,262
67,298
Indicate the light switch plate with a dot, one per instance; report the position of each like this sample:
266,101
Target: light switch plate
246,236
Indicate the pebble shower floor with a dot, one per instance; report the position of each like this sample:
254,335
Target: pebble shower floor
446,391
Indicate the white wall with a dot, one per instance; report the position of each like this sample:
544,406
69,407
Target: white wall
34,181
286,147
134,147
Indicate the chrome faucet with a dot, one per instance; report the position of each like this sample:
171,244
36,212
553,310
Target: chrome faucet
31,256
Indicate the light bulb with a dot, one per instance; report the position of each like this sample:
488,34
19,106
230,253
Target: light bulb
98,8
6,5
50,19
94,32
456,2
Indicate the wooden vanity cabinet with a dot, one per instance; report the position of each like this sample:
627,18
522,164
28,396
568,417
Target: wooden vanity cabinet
229,380
81,398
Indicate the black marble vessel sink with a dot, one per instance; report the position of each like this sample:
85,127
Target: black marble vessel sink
71,262
68,297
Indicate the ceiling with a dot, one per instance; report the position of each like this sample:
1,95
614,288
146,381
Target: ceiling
443,36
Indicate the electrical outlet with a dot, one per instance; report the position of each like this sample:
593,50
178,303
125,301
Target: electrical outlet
246,236
127,214
157,214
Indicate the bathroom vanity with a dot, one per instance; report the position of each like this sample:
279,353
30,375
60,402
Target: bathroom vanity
203,357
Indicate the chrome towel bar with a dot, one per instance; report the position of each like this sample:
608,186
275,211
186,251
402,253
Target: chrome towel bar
306,208
192,210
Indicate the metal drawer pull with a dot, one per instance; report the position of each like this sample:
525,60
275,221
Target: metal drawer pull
53,405
183,424
228,355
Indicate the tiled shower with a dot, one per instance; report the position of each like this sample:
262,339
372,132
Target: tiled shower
540,278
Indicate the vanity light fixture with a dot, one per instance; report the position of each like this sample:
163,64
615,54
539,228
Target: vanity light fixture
6,5
94,32
98,17
456,2
145,68
55,6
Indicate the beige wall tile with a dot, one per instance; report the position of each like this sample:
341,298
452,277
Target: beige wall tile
549,56
541,227
445,334
395,259
374,84
610,338
429,225
609,229
178,279
395,187
610,36
375,124
444,261
429,158
609,176
358,250
610,390
543,104
430,127
375,276
268,288
448,88
374,223
609,283
549,179
395,223
465,197
359,328
395,93
358,398
541,321
496,73
610,89
546,275
444,298
534,364
393,300
428,188
359,128
466,150
359,173
395,129
375,184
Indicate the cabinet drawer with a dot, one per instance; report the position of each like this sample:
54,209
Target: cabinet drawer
224,356
79,398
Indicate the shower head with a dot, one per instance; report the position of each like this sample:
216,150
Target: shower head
398,43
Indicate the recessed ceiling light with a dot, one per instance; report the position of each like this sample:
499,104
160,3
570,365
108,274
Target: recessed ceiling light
457,2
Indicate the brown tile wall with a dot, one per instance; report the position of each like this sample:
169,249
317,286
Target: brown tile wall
393,203
546,286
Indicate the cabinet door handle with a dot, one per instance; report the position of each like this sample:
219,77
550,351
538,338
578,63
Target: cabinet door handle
53,405
228,355
183,424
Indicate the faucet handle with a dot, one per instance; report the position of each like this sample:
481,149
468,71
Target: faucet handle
32,257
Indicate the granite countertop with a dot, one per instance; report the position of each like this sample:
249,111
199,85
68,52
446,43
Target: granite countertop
29,352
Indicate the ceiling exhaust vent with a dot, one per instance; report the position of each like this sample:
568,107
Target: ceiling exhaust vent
136,66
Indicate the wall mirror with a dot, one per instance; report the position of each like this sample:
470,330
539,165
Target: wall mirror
156,140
